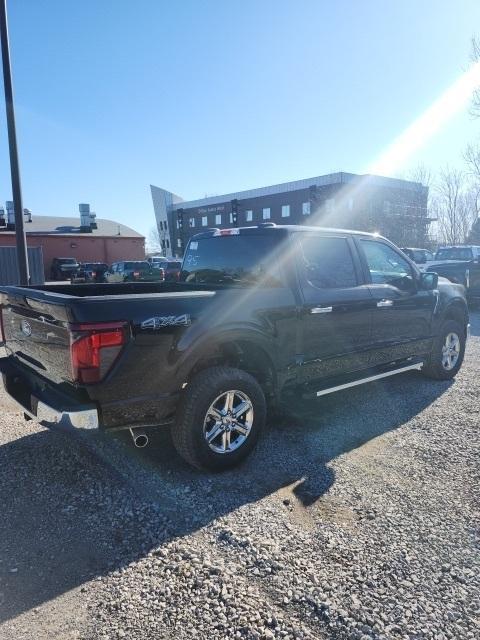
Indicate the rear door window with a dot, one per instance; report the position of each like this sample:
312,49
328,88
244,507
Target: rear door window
326,262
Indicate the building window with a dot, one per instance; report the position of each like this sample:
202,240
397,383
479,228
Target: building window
231,218
161,225
165,225
168,244
179,243
218,218
285,210
249,215
192,222
204,221
306,208
266,213
329,205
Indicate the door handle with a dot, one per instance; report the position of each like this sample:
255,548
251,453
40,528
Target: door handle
321,310
385,303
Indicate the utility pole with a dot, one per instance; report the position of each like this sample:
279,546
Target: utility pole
22,258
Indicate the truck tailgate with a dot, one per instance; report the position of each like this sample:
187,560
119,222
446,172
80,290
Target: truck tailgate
36,333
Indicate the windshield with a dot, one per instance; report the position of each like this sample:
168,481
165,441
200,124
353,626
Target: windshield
236,259
454,253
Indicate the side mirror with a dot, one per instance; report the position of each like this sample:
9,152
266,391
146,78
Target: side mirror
428,280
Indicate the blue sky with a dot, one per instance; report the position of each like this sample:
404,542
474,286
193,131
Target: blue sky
207,97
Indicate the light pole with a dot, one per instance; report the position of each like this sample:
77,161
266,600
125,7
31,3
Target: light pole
22,258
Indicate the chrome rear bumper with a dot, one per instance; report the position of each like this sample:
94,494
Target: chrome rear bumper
45,405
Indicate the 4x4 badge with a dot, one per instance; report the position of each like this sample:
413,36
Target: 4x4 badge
166,321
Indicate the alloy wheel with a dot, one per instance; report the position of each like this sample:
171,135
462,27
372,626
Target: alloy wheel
228,421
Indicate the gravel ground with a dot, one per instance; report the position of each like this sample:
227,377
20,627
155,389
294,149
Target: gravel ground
358,518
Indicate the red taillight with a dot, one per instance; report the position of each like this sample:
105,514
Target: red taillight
94,347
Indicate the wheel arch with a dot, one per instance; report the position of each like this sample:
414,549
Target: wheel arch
456,310
240,352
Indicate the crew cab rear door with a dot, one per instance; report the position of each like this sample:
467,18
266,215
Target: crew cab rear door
402,316
337,306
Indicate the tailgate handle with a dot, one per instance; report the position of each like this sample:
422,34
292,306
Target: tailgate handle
385,303
321,310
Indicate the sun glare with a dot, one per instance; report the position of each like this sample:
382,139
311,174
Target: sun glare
451,102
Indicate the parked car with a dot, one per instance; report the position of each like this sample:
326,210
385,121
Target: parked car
419,256
460,264
134,271
63,268
90,272
155,261
262,316
171,268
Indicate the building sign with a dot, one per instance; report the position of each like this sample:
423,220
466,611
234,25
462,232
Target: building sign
220,207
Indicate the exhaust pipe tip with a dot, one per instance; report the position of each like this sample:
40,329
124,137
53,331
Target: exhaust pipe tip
139,437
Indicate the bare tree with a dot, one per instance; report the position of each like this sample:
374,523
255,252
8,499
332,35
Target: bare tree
156,241
475,57
472,160
452,204
421,174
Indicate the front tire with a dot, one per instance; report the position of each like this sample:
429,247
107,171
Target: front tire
219,418
447,353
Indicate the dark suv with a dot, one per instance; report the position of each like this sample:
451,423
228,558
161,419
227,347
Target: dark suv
134,271
63,268
419,256
171,268
90,272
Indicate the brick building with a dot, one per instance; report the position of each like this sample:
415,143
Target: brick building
89,240
394,208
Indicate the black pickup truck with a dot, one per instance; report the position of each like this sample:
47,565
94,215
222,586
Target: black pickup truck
459,264
261,316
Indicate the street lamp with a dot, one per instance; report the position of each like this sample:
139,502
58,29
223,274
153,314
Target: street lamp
22,258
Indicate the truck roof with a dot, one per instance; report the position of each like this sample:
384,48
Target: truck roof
272,227
460,246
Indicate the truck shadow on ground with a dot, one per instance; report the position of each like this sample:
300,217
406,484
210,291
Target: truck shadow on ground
75,509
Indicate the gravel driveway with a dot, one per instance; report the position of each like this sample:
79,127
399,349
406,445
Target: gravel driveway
357,518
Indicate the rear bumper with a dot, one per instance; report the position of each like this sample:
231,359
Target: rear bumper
43,403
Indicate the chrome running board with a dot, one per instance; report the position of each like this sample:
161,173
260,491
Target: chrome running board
410,367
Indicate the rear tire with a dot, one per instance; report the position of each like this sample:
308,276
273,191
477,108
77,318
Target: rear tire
447,353
219,418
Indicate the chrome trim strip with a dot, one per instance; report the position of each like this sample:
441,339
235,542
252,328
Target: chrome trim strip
386,374
321,310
